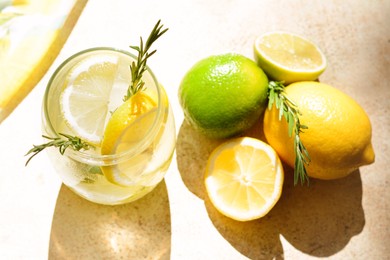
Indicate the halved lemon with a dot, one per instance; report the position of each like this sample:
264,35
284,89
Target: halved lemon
125,130
289,57
85,98
244,178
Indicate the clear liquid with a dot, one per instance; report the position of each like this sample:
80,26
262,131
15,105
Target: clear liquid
86,177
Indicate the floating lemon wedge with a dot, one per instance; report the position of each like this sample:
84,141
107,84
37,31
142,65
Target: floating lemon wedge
126,129
85,99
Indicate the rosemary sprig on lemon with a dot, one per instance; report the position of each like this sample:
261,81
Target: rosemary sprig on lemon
85,141
338,137
288,109
223,95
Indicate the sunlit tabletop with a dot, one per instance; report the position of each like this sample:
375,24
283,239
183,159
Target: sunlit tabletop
343,219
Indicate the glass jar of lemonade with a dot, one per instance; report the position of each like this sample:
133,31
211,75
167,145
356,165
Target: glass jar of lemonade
131,140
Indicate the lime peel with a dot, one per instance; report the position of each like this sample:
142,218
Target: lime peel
289,57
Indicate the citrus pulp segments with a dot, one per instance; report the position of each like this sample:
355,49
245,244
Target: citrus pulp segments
244,178
129,171
85,98
289,57
124,116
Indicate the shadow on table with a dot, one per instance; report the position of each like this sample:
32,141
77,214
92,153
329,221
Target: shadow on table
318,220
85,230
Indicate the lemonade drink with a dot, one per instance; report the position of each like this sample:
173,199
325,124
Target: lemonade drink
132,155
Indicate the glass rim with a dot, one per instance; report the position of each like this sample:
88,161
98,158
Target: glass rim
108,159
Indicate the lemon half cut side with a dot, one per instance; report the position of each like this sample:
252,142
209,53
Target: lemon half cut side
244,178
289,57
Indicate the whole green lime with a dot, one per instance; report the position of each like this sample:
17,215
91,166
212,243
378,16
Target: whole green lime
223,95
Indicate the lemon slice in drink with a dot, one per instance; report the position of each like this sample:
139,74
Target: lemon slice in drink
244,178
127,127
288,57
84,101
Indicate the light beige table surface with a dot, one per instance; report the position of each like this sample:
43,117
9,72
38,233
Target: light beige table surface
343,219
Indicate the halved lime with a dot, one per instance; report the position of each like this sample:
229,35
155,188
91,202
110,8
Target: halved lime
289,57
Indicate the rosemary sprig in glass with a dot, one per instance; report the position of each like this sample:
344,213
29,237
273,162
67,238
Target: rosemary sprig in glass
64,141
289,110
62,144
137,69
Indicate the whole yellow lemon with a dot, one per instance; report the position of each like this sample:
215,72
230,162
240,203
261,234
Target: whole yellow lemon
338,137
